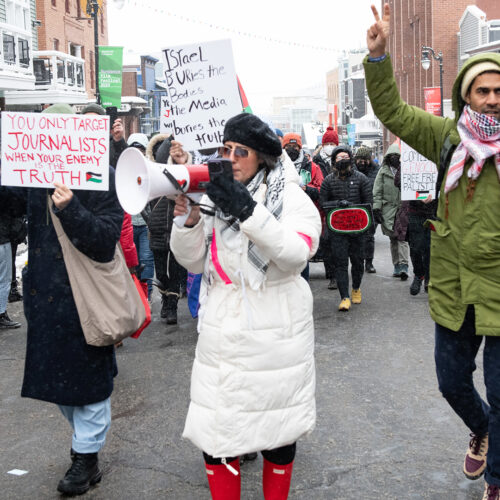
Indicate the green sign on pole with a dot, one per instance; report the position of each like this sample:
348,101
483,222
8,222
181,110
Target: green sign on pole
110,76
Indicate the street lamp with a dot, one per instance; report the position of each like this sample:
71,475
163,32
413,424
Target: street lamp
92,10
426,64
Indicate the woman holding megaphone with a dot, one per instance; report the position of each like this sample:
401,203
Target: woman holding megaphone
253,378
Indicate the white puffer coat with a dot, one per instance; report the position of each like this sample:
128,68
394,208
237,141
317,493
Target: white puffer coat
253,379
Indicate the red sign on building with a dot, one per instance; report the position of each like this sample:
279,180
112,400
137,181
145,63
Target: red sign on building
432,98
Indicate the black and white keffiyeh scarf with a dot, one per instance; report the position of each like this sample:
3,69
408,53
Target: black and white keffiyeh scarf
266,188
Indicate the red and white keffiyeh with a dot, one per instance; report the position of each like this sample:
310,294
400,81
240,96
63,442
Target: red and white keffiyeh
480,138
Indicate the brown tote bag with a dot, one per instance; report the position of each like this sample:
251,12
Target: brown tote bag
108,302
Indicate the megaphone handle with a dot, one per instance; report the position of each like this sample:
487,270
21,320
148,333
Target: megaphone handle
180,220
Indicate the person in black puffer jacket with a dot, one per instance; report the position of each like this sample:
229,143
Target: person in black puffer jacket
365,165
160,219
346,186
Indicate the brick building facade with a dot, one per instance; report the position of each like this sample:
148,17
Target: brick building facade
415,23
62,30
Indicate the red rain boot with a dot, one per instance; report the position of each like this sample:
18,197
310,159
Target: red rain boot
224,483
276,480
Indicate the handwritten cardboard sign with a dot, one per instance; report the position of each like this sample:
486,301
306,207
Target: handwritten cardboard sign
418,175
202,93
350,220
39,149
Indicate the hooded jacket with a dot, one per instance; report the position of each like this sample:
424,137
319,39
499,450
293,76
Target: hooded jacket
465,243
386,196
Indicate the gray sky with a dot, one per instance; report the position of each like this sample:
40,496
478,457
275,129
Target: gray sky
266,68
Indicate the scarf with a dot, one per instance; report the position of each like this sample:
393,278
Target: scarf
269,192
298,161
480,139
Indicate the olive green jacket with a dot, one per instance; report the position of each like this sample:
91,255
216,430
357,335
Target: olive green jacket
387,197
465,246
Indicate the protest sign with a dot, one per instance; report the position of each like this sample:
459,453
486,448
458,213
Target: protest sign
110,76
202,93
418,175
39,149
355,219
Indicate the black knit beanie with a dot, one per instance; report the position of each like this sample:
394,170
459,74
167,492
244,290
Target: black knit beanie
341,149
251,131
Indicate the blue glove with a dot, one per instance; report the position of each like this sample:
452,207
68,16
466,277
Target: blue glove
232,197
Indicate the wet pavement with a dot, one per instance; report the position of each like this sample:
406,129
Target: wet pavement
383,430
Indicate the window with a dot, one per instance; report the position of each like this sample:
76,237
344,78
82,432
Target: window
53,2
55,44
18,13
66,6
9,49
102,23
24,53
78,9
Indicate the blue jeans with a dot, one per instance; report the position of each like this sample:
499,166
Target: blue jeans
145,255
455,354
5,275
90,424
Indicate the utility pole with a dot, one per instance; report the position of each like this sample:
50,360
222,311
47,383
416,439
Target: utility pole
93,10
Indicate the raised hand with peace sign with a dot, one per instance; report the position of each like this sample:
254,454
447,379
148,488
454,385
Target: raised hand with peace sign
377,34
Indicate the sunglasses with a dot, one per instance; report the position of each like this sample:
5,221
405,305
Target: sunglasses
239,152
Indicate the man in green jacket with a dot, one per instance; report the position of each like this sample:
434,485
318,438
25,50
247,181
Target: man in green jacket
464,287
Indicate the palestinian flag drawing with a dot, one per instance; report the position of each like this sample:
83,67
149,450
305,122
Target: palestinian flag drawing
93,177
421,195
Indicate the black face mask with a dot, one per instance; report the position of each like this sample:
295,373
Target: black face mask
362,166
343,165
393,161
292,153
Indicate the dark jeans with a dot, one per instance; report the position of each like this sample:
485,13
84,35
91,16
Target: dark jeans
419,239
169,272
368,238
344,248
279,456
145,255
455,354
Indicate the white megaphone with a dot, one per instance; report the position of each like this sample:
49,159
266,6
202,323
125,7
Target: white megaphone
139,180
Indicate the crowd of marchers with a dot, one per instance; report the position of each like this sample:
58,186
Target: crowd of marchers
250,240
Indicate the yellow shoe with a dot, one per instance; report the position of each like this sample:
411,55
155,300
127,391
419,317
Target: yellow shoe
345,304
356,296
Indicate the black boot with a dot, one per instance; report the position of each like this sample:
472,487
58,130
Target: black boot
369,266
83,473
333,284
171,309
6,322
416,285
247,457
14,294
163,312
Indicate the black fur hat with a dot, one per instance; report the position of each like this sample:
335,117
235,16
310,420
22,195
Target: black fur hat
251,131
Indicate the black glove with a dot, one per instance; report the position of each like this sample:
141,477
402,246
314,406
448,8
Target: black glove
232,197
344,204
377,215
